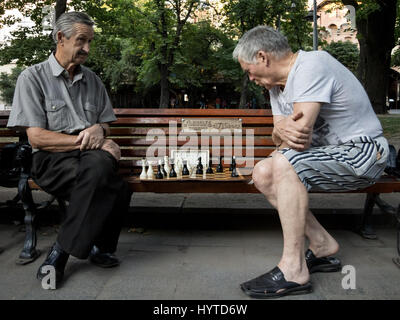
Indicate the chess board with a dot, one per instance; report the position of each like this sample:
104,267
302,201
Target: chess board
223,176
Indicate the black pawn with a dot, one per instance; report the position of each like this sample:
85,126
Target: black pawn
185,171
209,169
220,169
232,164
172,173
159,174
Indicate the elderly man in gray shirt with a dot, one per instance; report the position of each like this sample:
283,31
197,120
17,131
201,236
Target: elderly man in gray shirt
65,110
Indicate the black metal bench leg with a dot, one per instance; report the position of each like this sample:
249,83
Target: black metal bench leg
397,259
29,252
366,229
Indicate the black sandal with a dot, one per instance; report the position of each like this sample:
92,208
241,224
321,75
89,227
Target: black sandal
323,264
273,285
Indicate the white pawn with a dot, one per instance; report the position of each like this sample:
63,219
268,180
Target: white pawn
166,166
150,172
143,175
178,168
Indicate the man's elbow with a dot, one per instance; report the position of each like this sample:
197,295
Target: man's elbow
35,137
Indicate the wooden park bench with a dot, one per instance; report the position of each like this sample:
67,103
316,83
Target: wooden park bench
154,133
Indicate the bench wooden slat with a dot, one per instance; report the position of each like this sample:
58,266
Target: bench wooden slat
143,131
264,152
156,121
258,141
140,112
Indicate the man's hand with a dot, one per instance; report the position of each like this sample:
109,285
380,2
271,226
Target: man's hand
111,147
91,138
293,134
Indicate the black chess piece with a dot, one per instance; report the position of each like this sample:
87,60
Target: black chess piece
172,173
185,170
165,174
234,171
199,169
209,169
220,169
159,174
233,163
199,165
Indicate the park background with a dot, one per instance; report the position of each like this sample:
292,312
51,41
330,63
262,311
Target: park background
178,53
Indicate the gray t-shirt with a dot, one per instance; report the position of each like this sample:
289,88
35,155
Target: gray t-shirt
346,111
45,97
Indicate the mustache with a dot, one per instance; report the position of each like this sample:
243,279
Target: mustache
83,53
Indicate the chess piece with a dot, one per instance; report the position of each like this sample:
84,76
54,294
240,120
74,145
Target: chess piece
164,173
159,174
172,173
150,172
232,163
167,168
234,173
209,169
199,164
220,169
199,168
185,170
178,168
143,175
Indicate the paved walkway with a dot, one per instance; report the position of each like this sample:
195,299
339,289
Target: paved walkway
204,255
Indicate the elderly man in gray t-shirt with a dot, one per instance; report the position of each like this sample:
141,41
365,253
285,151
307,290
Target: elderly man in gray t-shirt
65,110
327,138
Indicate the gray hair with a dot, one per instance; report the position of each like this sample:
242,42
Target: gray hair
65,23
261,38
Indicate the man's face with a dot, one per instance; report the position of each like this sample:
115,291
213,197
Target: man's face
76,48
259,72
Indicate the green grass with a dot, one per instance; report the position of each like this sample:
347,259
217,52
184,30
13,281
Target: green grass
391,125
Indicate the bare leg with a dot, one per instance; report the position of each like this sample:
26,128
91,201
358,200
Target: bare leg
277,180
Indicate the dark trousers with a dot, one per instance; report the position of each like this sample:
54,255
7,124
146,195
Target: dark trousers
98,197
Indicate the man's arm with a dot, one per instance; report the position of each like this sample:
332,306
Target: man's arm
51,141
295,131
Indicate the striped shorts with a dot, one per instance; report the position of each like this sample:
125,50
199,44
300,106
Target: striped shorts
353,165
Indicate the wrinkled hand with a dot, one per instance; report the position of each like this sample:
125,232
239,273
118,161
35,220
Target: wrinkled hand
112,148
91,138
294,134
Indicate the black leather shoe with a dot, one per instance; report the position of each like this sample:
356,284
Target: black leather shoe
57,258
103,259
323,264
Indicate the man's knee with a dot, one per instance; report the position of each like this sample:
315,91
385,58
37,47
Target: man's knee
98,164
262,175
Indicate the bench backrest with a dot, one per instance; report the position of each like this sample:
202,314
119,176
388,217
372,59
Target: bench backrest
144,132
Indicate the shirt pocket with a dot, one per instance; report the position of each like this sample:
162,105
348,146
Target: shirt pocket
91,112
57,115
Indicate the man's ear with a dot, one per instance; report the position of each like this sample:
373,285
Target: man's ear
60,37
263,58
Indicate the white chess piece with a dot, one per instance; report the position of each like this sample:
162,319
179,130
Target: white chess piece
150,172
143,175
167,168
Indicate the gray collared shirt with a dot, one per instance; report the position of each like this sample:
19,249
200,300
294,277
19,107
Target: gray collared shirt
45,97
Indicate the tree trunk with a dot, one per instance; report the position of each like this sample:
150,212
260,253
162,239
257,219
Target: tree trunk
164,94
244,92
375,34
61,6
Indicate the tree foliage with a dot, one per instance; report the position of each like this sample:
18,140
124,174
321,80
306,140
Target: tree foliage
7,84
346,52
